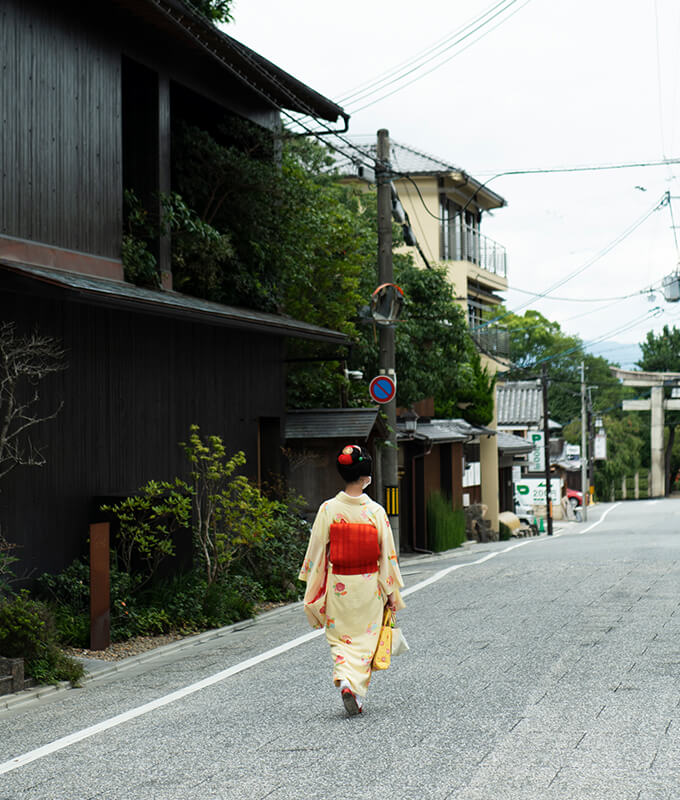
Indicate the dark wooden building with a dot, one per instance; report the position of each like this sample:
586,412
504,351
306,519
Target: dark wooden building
87,97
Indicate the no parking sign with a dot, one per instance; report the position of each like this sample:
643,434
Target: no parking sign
382,389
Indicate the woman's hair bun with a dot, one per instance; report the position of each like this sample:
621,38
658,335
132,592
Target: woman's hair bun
353,462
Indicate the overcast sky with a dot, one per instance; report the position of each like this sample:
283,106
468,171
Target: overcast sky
552,83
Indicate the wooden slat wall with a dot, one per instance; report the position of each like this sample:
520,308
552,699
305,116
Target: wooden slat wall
134,385
60,137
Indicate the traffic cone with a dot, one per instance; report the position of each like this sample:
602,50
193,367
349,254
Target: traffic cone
541,527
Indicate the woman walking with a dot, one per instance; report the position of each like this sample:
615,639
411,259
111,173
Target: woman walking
352,573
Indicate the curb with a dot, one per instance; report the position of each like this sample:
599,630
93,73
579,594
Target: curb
29,696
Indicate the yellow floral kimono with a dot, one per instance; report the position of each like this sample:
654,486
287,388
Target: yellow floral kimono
350,606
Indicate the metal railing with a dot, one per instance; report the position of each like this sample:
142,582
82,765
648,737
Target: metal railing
465,243
494,341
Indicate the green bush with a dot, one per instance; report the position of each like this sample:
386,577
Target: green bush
27,631
445,526
274,562
504,532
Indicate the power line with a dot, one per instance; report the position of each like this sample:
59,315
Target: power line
462,38
381,77
582,268
441,64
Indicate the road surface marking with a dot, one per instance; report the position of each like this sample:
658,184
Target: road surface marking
179,694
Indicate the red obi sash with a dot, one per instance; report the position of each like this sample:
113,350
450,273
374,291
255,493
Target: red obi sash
354,548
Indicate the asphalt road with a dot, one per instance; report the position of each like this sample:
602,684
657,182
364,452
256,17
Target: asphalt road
539,668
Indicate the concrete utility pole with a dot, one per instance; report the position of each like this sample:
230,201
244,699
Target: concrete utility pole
546,447
383,176
584,440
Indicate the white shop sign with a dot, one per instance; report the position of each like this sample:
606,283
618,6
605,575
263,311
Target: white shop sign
536,457
531,491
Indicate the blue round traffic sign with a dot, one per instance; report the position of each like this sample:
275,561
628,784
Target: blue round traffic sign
382,389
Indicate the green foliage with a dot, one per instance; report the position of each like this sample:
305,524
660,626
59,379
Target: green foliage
231,514
504,532
535,340
472,397
139,263
213,10
27,631
7,558
661,353
623,453
274,561
146,523
445,526
199,250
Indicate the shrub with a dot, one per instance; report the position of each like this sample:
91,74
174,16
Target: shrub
275,561
231,515
146,523
445,526
504,532
27,631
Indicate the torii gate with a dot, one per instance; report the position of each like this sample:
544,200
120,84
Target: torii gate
657,405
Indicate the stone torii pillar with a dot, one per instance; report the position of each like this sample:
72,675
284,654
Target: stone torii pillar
657,405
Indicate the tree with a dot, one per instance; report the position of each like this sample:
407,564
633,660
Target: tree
535,340
661,353
624,446
214,10
304,244
24,362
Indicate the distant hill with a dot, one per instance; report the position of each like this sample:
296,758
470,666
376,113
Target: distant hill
625,355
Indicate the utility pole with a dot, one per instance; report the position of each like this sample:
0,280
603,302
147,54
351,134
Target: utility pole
584,449
386,363
546,445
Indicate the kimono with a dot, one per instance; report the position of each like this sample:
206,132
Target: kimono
350,567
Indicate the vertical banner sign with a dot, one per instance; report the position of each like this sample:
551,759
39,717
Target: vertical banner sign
537,455
392,500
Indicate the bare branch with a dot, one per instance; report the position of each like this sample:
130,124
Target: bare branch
24,362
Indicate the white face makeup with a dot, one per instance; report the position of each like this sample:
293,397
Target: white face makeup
368,482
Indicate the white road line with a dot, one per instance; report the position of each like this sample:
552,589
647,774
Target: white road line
119,719
601,519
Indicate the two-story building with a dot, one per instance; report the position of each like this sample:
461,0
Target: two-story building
89,93
445,207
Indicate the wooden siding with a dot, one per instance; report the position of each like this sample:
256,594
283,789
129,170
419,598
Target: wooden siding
134,385
60,137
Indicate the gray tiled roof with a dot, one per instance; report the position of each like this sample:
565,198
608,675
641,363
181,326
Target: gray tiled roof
447,430
352,424
404,159
509,443
519,403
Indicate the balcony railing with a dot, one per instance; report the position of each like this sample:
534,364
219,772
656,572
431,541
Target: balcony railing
465,243
493,340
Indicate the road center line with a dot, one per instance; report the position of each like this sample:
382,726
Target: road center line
119,719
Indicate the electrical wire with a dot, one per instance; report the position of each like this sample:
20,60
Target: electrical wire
652,313
583,267
441,63
479,27
426,53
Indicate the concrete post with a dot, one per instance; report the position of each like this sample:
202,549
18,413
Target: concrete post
658,466
637,485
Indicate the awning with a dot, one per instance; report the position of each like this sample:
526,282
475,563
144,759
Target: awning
126,296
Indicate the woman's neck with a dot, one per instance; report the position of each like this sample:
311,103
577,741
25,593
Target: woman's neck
355,489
